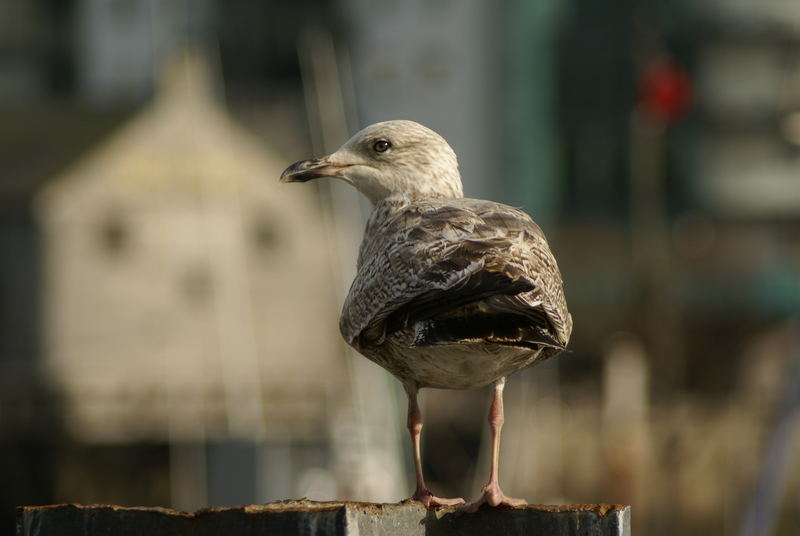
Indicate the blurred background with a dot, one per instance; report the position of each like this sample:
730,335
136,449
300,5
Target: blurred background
168,311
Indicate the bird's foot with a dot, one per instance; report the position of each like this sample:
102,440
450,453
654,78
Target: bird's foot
429,499
493,496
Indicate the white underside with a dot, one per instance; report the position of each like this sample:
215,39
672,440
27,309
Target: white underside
455,366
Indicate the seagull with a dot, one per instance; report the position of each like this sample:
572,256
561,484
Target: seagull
450,292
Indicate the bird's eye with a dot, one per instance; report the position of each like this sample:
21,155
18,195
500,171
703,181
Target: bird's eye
381,146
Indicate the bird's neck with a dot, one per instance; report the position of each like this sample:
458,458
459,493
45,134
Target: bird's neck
414,195
403,187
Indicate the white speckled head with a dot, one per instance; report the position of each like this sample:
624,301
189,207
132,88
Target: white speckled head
392,159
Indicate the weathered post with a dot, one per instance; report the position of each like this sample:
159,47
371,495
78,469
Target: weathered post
324,519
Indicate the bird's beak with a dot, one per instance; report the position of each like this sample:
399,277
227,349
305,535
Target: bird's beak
305,170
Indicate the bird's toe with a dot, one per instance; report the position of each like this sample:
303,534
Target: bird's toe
429,499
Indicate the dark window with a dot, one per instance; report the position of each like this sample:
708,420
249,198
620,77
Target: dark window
114,236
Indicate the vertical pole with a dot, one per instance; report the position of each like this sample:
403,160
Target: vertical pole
533,144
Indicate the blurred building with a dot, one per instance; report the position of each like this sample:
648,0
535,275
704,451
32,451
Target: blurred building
172,261
186,294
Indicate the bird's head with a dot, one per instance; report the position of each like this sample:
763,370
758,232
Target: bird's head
392,159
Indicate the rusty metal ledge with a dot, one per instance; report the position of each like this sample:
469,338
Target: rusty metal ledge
314,518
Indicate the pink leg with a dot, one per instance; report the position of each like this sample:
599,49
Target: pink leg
492,494
422,494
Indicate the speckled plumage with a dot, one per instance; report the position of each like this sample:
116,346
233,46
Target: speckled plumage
450,292
428,267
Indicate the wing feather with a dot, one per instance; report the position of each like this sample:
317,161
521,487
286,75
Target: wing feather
456,271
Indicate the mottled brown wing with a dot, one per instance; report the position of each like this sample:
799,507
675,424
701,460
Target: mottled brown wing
456,271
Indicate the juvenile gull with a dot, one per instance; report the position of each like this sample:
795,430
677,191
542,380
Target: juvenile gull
450,293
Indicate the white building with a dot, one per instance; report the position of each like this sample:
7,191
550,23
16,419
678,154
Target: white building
187,294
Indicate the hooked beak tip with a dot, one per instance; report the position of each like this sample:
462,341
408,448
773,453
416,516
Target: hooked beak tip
306,170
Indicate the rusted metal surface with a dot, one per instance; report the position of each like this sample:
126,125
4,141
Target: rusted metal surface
323,519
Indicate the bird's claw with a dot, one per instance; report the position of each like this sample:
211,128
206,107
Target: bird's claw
493,496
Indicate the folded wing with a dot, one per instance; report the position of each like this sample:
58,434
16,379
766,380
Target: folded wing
456,272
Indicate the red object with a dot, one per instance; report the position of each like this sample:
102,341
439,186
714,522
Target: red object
665,91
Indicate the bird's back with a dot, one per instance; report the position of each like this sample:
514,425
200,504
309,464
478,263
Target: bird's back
455,283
